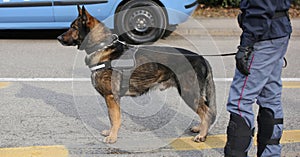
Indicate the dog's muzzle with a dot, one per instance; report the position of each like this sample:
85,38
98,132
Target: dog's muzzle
60,39
65,43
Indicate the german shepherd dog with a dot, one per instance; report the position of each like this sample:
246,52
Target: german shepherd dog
160,67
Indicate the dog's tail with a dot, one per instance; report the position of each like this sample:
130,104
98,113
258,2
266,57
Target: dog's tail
210,92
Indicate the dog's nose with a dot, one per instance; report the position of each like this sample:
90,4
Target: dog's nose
59,38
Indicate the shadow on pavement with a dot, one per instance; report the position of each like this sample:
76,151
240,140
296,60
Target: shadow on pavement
30,34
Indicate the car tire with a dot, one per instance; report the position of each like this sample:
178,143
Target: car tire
169,30
140,22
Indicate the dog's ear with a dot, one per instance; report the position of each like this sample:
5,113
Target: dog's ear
85,15
79,10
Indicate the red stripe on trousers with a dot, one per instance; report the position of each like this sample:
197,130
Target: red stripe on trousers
243,88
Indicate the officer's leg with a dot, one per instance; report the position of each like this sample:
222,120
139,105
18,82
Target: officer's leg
270,120
270,117
241,124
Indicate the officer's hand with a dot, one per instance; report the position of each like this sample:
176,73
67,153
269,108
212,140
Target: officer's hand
242,59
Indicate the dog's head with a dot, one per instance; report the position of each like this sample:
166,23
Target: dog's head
79,29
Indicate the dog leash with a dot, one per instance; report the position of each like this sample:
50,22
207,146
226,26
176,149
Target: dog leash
222,55
231,54
219,55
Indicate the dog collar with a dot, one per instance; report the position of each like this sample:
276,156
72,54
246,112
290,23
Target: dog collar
103,45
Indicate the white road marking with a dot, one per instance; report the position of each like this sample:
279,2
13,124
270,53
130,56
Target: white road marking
88,79
230,79
44,79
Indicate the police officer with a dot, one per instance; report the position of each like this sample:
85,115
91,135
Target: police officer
259,60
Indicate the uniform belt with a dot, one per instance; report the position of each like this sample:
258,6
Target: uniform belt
279,14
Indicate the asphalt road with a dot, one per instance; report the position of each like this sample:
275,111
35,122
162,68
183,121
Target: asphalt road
46,99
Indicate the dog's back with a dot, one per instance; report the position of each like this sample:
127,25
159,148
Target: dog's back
192,75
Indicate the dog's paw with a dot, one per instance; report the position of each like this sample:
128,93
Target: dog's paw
195,129
110,139
200,138
105,133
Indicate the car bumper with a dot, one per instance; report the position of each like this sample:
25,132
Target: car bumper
179,12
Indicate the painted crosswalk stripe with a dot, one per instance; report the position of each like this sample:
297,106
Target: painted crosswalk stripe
291,84
4,84
218,141
35,151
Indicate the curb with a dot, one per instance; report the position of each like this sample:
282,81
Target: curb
218,33
220,27
209,32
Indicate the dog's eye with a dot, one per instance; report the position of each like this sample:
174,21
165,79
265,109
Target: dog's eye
74,27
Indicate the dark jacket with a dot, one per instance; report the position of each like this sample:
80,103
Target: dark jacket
260,20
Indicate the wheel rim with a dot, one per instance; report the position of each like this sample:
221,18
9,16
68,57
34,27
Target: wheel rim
141,21
141,24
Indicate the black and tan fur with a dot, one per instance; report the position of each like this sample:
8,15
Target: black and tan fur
87,32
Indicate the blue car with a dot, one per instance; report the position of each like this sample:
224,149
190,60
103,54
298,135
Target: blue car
136,21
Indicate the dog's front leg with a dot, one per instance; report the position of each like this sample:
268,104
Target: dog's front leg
114,117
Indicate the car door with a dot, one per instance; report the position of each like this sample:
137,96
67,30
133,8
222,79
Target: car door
66,10
26,11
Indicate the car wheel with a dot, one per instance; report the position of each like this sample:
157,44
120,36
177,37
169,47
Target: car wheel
140,21
169,30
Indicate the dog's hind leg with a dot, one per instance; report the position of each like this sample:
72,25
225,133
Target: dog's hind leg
115,119
202,128
201,101
207,108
